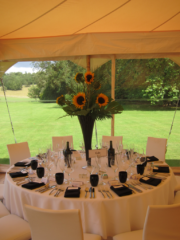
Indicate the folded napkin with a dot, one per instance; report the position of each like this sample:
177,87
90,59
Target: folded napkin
18,174
32,185
152,159
161,169
150,181
22,164
72,192
121,190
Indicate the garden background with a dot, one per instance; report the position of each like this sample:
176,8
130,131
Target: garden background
147,89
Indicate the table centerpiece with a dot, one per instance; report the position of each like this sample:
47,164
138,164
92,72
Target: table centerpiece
88,102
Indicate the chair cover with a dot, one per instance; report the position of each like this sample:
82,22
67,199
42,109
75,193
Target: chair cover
56,224
57,142
156,147
18,152
114,139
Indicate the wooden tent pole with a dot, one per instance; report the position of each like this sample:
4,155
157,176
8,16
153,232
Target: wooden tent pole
113,69
88,63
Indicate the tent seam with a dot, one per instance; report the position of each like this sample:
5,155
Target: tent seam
34,19
165,21
102,17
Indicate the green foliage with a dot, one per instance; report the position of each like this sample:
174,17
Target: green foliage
163,80
15,81
33,92
54,78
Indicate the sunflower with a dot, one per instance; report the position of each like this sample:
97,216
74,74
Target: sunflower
89,77
79,100
97,85
102,100
79,77
60,100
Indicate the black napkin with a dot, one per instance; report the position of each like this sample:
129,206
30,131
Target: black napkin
72,193
121,191
18,174
32,185
161,169
22,164
150,181
152,159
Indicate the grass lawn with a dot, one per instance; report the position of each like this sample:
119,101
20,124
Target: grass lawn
19,93
37,122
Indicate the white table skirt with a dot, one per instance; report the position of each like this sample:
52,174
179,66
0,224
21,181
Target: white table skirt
106,217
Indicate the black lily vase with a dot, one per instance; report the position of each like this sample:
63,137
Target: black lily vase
87,125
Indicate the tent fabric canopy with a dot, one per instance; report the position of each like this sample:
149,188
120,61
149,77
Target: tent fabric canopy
39,30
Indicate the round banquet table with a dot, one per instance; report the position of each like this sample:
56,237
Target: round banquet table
103,216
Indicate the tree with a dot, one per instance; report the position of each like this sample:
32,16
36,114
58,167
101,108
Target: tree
53,78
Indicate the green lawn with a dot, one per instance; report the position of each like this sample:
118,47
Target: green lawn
37,122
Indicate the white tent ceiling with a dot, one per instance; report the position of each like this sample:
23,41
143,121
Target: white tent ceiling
72,29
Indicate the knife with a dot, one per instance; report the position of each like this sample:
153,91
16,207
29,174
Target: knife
136,189
93,193
90,190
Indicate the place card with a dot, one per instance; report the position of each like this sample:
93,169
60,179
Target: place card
113,183
145,178
77,183
98,152
72,188
156,168
119,186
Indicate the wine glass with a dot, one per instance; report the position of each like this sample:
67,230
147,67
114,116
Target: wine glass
114,167
34,164
69,168
40,172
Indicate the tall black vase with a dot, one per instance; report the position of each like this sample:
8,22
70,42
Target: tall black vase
87,124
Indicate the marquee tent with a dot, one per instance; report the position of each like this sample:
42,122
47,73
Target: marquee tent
40,30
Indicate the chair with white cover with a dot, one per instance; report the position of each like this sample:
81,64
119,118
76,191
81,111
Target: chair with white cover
156,147
57,142
3,210
18,152
12,226
56,224
114,139
177,188
161,223
1,191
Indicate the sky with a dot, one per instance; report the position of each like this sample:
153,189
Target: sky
22,67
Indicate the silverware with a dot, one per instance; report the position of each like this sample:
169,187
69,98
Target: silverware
52,191
42,187
86,190
48,188
134,188
58,192
99,190
105,192
93,192
136,183
90,190
24,181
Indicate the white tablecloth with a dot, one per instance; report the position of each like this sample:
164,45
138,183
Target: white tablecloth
106,217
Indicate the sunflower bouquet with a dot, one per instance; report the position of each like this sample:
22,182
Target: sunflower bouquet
87,99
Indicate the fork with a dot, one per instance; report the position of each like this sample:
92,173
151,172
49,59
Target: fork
99,190
105,192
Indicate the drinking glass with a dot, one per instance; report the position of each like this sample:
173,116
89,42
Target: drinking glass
34,164
40,172
59,178
69,168
89,170
114,167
